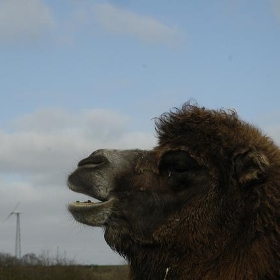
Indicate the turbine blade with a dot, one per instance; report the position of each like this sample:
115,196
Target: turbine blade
11,213
16,207
8,217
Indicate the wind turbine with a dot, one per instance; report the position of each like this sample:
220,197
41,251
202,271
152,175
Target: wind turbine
18,241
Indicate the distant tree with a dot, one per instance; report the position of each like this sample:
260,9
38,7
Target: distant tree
8,260
30,259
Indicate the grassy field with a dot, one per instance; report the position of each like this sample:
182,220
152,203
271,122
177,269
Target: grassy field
63,272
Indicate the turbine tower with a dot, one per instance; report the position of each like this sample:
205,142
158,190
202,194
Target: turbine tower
18,239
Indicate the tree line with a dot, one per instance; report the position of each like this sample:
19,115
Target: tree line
47,267
31,259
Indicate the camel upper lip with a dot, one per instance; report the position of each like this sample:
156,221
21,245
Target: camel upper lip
78,205
93,195
87,205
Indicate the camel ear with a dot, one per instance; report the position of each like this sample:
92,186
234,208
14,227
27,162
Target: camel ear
250,166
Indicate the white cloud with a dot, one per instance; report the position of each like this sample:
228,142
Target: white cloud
21,20
24,21
121,21
49,140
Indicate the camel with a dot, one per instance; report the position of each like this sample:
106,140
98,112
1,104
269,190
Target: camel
203,204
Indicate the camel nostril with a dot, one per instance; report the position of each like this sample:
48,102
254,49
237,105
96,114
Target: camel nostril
93,160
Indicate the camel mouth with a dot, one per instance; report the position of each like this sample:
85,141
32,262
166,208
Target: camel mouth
93,177
92,213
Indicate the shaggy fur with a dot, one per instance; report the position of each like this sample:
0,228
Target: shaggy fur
202,205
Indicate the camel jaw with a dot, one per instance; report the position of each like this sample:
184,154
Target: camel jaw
91,213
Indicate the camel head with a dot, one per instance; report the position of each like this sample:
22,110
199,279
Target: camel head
194,201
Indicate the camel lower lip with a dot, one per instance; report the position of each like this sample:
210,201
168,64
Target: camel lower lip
92,213
86,205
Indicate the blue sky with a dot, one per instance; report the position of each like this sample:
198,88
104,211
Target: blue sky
80,75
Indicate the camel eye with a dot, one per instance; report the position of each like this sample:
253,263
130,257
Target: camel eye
177,162
181,170
179,167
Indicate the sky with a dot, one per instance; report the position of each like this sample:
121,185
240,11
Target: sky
80,75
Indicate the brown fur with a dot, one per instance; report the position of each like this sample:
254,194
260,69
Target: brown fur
202,205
